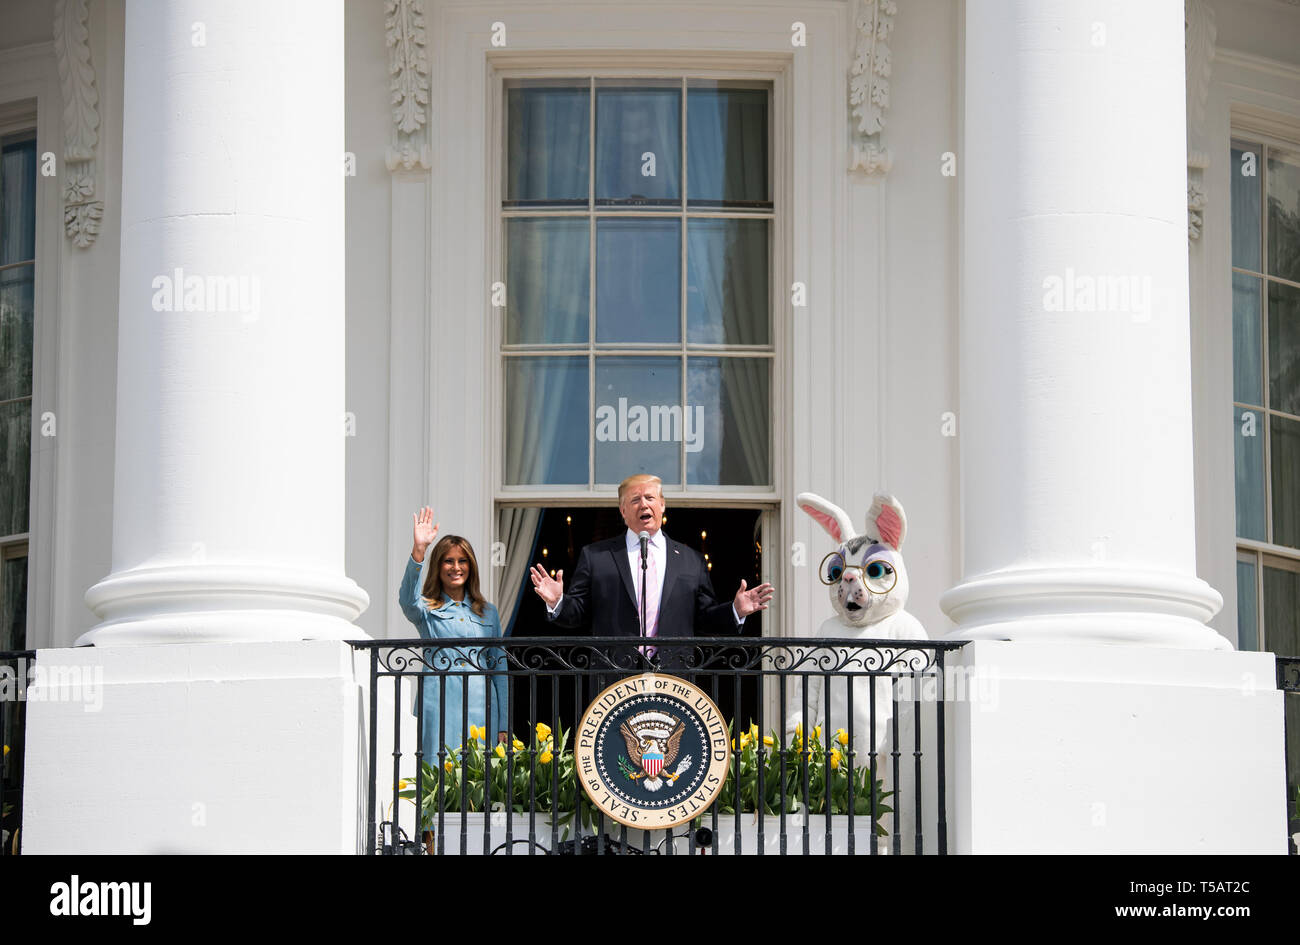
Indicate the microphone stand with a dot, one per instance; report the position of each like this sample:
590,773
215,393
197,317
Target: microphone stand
645,544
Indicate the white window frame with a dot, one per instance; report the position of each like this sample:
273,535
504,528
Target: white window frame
683,351
30,98
1267,134
764,498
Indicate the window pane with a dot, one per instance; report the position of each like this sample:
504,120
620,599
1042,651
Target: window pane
13,619
15,465
1285,466
1248,447
1247,163
639,145
730,396
726,147
17,300
546,421
1247,387
1281,611
547,143
639,422
18,202
727,282
548,280
1247,607
638,281
1284,347
1284,214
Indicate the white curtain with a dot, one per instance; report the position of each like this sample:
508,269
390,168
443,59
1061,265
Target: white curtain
630,122
547,293
547,143
517,528
729,261
726,145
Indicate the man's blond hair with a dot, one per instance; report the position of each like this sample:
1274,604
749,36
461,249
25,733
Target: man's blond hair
636,480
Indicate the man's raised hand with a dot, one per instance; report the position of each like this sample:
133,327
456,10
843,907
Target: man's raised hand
755,598
548,588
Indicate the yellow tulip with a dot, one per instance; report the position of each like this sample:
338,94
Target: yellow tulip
753,730
543,731
817,732
841,736
546,758
500,750
449,765
835,757
403,784
519,746
798,730
476,732
769,741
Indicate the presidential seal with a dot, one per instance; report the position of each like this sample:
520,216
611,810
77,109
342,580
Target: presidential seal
652,751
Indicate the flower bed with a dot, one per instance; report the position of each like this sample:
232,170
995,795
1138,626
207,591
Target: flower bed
804,778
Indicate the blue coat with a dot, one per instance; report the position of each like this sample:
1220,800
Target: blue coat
450,621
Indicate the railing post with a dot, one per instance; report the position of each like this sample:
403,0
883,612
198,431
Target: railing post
372,757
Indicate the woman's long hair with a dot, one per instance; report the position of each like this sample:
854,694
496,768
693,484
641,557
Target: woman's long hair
433,579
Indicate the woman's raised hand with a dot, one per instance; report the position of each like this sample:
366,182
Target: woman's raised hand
425,532
548,588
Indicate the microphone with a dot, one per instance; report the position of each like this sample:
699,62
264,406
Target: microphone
644,538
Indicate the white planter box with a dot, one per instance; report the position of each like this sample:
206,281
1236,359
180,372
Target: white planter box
726,835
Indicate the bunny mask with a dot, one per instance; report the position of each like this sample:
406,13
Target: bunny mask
867,577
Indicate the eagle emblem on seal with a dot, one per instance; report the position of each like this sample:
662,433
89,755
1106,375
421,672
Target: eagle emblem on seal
653,739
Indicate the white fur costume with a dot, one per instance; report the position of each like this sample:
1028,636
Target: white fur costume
860,613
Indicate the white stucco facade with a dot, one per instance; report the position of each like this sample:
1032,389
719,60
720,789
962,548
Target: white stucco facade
1068,481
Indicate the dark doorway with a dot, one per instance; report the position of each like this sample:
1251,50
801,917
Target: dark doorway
730,538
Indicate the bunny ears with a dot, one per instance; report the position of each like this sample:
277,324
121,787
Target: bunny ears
886,522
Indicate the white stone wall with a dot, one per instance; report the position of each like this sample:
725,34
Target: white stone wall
893,275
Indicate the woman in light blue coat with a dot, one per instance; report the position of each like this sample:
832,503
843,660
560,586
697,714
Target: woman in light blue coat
450,606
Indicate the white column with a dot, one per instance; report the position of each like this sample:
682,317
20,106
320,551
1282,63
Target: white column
228,506
1077,501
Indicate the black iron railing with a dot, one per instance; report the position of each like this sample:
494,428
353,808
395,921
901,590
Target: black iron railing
865,775
15,665
1288,680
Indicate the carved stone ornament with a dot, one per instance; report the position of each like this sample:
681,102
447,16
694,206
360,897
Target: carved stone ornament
1200,32
1195,206
869,86
408,64
81,212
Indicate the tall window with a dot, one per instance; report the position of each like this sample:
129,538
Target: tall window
17,298
17,305
637,236
1266,397
637,231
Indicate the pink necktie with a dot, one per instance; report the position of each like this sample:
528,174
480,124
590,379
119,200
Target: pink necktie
651,603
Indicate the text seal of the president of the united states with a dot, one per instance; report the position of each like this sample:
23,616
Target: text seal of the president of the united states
652,751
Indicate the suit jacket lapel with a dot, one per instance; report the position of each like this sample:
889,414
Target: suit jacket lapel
624,569
672,569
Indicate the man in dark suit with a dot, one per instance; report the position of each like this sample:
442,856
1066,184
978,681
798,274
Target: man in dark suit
604,593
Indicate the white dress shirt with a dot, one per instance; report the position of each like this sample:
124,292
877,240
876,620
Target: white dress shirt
654,580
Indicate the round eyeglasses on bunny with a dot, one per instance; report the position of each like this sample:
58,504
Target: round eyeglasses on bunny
877,576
